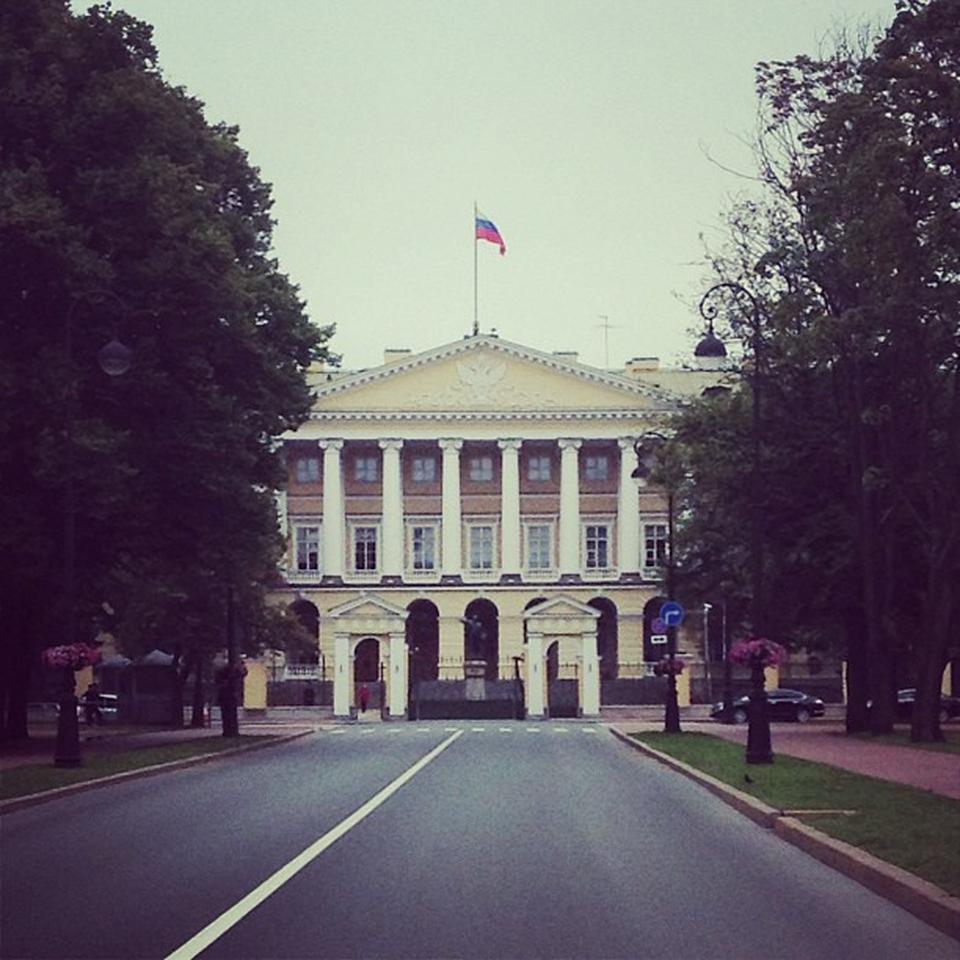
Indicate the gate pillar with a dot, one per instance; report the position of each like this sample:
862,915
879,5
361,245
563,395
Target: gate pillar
342,675
536,672
589,675
397,684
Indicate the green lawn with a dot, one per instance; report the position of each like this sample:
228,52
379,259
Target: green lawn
914,829
35,778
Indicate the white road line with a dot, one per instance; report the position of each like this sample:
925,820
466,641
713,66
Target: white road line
534,729
560,730
589,729
477,729
337,731
255,897
506,729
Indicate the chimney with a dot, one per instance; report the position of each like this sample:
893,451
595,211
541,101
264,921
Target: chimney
638,365
393,354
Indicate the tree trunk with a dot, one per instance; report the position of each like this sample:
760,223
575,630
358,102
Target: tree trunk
16,675
858,715
931,659
197,716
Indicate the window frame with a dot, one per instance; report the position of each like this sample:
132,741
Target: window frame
304,474
659,564
478,465
355,528
298,527
591,463
364,465
410,558
608,526
539,468
551,568
481,572
420,461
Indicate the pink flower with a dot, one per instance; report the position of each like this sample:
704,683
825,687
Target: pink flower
71,656
757,650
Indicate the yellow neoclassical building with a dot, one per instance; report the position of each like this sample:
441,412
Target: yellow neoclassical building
466,535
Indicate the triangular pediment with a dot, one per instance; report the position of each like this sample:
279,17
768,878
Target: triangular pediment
486,374
367,606
561,606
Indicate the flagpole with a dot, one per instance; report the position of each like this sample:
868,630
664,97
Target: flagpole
476,323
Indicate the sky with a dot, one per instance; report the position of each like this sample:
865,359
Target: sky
594,133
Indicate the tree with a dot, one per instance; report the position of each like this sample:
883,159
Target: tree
854,252
111,180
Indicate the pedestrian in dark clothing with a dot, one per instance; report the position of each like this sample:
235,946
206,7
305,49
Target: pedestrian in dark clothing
364,698
91,705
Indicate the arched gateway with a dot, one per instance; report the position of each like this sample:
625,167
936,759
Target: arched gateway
574,625
369,618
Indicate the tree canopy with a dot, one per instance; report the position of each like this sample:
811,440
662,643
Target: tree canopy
125,214
853,250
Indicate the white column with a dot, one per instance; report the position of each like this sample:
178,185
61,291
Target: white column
510,505
535,673
452,563
392,509
589,675
628,510
333,513
569,507
342,675
397,695
281,501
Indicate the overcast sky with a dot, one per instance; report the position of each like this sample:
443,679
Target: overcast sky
582,128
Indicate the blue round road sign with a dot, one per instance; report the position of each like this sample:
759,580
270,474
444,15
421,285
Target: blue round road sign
672,614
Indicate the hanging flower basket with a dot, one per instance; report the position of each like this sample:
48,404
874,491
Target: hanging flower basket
668,667
757,651
70,656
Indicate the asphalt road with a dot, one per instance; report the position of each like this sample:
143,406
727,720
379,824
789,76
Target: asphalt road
514,840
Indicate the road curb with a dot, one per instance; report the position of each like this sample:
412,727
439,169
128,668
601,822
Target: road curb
923,899
32,799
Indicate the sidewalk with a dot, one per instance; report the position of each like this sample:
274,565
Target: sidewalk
828,743
40,748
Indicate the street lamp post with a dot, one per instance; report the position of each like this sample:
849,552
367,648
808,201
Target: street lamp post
114,359
711,347
646,449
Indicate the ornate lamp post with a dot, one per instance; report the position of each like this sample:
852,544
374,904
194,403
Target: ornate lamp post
711,347
647,449
114,359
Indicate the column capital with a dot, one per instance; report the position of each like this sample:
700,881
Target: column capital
510,443
390,444
569,443
626,443
330,444
452,444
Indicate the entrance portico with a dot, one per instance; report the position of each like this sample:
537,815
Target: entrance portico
369,616
566,620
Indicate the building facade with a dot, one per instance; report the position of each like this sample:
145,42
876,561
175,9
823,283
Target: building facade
464,525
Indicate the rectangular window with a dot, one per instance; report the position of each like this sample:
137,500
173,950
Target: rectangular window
481,468
654,545
538,468
597,543
308,549
424,543
308,469
539,547
423,470
481,548
366,469
596,468
365,549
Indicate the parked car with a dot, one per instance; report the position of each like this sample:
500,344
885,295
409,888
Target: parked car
949,706
782,704
107,704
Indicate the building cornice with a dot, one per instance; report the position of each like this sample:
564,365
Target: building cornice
448,416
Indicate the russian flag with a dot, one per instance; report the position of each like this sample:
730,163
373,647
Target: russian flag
487,230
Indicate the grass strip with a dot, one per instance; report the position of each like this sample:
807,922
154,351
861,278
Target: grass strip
911,828
97,764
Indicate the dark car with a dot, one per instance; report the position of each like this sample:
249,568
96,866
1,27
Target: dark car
949,706
782,704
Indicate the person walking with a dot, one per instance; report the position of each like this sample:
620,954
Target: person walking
91,705
364,698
